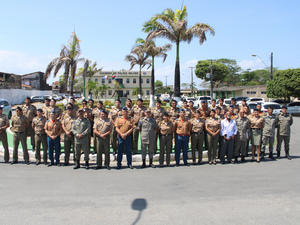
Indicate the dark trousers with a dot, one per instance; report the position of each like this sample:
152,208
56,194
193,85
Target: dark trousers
227,149
30,131
205,140
127,143
69,143
51,145
182,142
3,139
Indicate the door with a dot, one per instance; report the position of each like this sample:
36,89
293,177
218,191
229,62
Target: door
120,94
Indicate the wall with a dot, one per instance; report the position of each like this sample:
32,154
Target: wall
17,96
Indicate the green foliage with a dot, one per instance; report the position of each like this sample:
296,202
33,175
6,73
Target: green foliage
158,83
136,91
256,77
233,77
286,83
108,103
163,90
220,71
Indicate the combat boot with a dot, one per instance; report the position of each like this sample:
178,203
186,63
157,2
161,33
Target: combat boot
144,163
287,155
87,166
77,165
278,155
262,155
243,159
271,156
151,164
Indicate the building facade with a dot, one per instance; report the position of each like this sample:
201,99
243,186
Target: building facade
36,81
10,80
127,81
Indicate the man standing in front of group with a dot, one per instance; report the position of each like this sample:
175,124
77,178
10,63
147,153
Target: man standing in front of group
138,113
285,121
268,133
19,123
38,125
30,112
228,131
182,127
53,130
81,129
4,124
102,129
124,126
157,114
147,126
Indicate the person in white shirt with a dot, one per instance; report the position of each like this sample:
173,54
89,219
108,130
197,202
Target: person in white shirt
228,132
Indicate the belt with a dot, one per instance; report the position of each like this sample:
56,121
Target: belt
40,134
256,128
182,135
197,133
165,135
19,132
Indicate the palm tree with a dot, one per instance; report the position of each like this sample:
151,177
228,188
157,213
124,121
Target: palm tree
138,57
69,57
89,73
102,90
92,86
154,51
173,26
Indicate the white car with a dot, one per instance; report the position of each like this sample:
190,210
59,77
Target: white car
227,101
264,107
188,99
255,100
6,107
197,103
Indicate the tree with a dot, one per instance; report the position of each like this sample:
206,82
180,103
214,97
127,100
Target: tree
158,83
220,71
136,91
173,26
285,84
69,58
102,90
138,57
154,51
91,86
233,77
188,85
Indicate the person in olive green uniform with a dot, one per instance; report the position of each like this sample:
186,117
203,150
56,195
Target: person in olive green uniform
30,112
67,123
81,129
19,124
220,117
222,107
269,133
96,116
213,127
213,105
157,113
205,113
174,114
165,139
87,113
147,126
285,121
55,108
102,129
256,125
138,113
4,124
91,107
75,107
236,108
197,136
193,110
129,107
45,107
113,115
188,112
38,125
243,134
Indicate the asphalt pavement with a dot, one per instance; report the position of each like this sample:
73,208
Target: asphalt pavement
244,193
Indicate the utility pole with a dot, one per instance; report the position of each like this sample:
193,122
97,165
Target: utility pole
271,72
192,83
166,81
211,79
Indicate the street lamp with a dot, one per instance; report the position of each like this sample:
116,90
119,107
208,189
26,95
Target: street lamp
271,68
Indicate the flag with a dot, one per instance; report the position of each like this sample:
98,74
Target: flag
144,73
112,73
105,77
114,76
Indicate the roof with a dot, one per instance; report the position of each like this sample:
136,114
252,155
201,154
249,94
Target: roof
24,85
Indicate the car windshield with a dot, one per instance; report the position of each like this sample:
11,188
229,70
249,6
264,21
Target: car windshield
272,106
205,98
228,102
190,99
252,106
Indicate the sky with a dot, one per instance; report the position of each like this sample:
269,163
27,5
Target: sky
32,33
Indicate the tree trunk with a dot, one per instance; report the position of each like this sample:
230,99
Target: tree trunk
140,83
71,87
152,105
177,76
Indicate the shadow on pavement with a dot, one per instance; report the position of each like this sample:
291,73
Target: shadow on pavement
139,204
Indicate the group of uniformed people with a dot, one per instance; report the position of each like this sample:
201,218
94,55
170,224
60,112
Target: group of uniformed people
225,131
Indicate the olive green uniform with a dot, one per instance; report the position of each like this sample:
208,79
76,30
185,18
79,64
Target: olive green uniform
57,110
138,113
147,127
96,116
113,115
3,136
243,134
197,138
38,124
174,115
69,141
157,114
284,132
213,124
30,113
165,141
19,124
81,126
269,132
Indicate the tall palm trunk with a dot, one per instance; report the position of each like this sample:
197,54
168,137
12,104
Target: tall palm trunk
151,104
140,83
177,76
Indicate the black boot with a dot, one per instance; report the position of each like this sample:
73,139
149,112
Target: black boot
262,155
151,164
77,165
87,165
144,163
278,155
235,160
287,155
271,156
243,159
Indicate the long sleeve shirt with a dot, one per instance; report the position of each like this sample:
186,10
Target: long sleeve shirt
228,128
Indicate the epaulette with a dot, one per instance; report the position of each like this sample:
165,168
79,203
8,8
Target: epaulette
58,120
177,119
119,117
48,121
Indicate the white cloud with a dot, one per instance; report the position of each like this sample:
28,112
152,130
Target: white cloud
251,64
190,63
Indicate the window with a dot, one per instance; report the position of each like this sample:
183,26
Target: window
127,92
109,81
96,80
142,80
6,103
148,92
109,92
127,81
134,80
148,81
248,92
103,81
253,92
263,92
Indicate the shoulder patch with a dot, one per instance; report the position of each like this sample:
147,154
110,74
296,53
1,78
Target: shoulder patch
48,121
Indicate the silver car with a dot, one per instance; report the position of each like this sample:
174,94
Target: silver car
293,107
6,107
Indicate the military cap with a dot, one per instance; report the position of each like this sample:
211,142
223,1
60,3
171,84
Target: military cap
124,108
148,110
181,110
231,106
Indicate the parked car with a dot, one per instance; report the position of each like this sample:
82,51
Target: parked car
77,96
197,102
293,107
188,99
275,106
55,97
165,97
47,96
281,101
37,99
255,100
227,101
6,108
157,96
